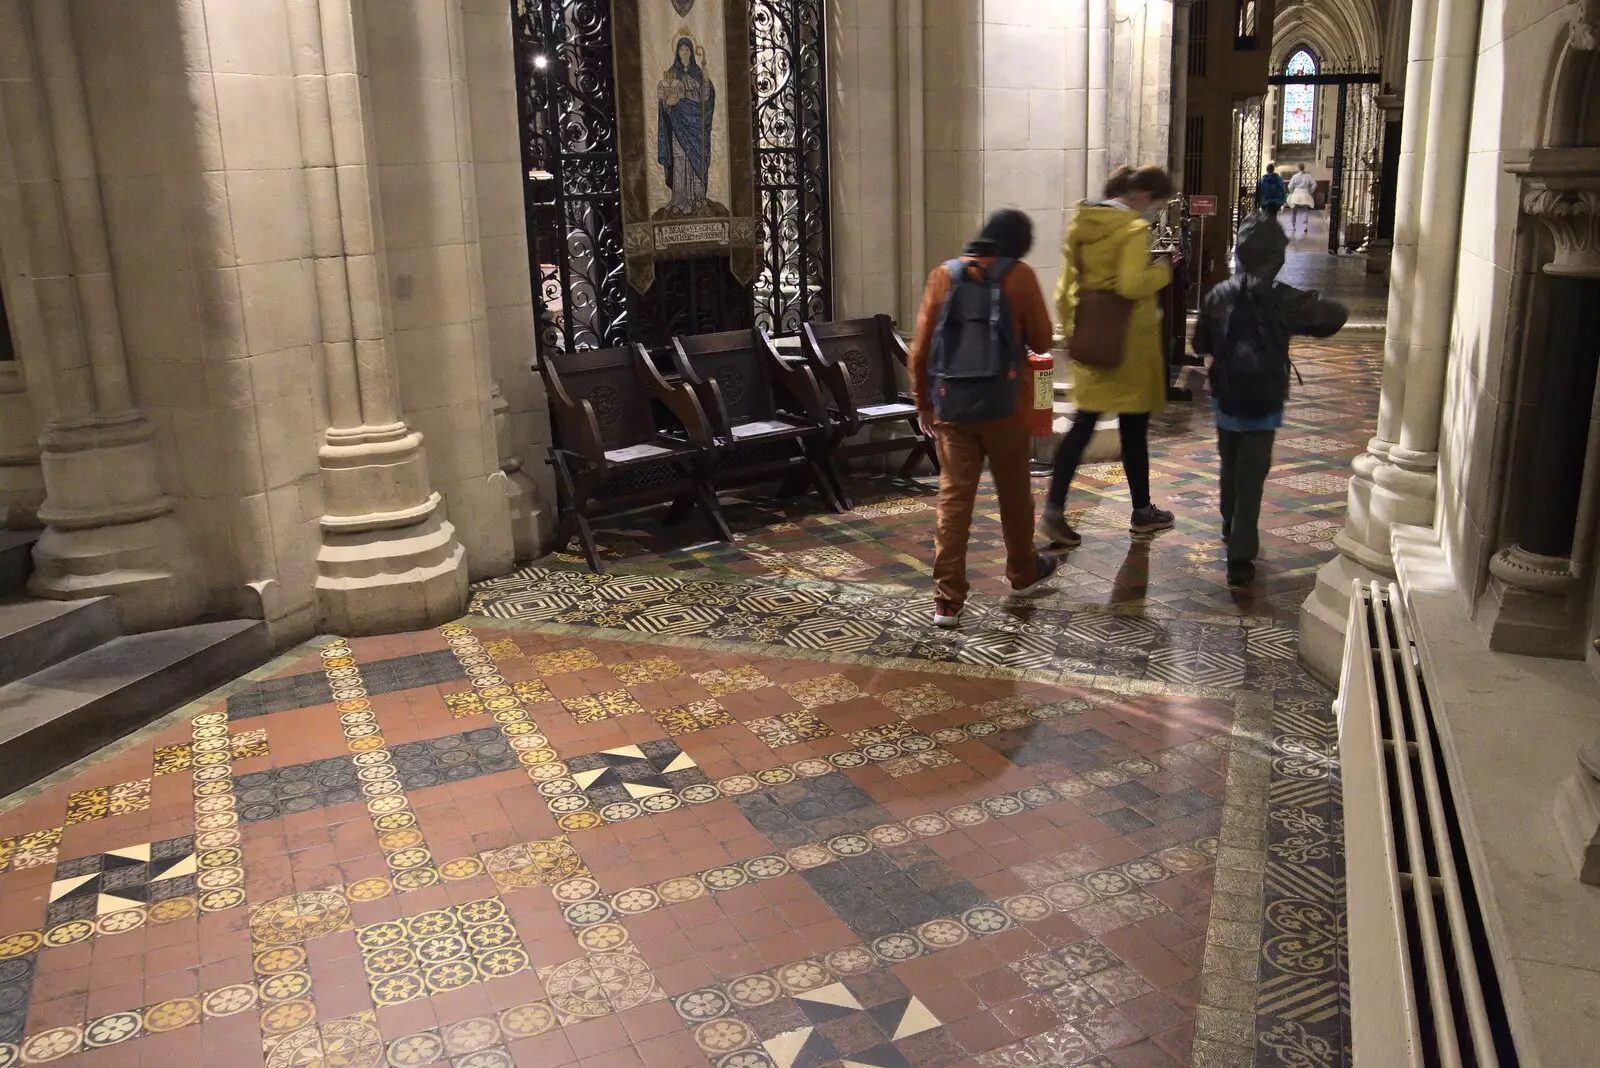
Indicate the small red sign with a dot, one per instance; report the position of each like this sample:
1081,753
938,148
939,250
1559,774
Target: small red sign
1202,205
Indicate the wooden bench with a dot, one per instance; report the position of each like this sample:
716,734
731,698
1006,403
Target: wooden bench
753,398
612,456
856,360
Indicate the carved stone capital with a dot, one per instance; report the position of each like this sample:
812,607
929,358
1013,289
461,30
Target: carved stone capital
1561,188
1531,571
1573,218
1583,20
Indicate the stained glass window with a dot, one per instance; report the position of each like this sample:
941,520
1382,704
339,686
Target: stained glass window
1299,101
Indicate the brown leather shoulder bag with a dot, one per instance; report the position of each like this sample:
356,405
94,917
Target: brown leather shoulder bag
1099,323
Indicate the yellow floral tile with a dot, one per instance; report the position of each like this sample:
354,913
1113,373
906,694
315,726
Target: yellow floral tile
462,704
822,690
532,693
567,660
505,649
172,758
720,683
610,704
652,669
924,700
36,848
789,728
685,719
247,744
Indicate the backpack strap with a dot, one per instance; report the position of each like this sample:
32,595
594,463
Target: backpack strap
998,270
956,269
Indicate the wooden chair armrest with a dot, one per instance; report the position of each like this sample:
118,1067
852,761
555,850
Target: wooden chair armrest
801,385
833,376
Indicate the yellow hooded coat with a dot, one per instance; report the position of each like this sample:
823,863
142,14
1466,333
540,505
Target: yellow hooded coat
1112,243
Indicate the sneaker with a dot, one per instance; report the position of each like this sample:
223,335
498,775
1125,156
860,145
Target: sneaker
1054,529
1241,573
946,614
1149,519
1047,567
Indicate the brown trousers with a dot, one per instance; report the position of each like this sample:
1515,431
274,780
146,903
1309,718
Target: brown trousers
962,450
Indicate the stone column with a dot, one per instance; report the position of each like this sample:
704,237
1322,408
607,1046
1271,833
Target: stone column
389,559
1178,140
1395,481
1531,607
530,520
109,525
21,479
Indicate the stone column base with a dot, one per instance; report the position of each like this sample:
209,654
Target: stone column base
1326,613
532,523
392,579
1526,609
146,566
1577,814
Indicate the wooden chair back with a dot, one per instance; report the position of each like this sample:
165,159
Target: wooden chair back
740,363
864,350
609,379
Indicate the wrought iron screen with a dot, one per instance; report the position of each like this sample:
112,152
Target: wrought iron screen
1357,168
567,114
791,128
1247,161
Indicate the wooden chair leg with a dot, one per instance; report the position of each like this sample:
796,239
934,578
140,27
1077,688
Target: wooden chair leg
708,504
591,552
680,507
825,477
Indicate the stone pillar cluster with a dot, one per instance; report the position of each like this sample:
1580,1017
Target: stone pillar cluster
1396,481
254,255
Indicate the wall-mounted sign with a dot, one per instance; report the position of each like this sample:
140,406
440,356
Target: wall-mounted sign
1201,204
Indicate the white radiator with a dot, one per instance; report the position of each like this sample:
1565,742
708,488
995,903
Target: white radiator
1422,986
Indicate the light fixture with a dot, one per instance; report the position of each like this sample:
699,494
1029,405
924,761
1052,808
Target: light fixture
540,63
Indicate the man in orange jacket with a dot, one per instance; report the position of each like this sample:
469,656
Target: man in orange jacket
1005,442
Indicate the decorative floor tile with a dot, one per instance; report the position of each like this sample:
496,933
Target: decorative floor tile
800,912
789,728
438,951
89,887
696,716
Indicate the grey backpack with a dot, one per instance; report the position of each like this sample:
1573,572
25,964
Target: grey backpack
976,356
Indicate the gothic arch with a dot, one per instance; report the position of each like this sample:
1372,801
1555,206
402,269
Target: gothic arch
1572,112
1338,32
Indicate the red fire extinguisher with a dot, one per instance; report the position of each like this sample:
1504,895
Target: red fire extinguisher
1042,366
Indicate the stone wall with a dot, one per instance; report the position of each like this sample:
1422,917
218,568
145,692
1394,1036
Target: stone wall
942,111
312,224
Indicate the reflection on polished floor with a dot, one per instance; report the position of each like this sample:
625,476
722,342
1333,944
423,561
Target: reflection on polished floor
740,805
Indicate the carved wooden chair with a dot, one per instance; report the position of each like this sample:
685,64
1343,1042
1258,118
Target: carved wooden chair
612,456
754,398
855,359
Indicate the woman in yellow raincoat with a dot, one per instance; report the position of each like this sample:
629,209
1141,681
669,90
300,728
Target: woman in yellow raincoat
1107,247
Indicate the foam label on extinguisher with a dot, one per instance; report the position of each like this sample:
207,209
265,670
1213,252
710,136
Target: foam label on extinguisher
1044,390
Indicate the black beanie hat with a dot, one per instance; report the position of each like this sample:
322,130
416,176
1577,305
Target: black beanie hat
1007,233
1261,245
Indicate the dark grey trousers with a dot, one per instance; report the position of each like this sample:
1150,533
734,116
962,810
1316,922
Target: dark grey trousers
1246,459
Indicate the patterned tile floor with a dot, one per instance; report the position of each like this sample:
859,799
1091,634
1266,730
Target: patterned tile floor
739,805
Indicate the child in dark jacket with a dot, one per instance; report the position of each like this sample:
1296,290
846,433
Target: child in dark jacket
1245,326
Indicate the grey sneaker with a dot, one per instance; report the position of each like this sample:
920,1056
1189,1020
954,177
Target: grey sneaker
1047,567
1149,519
946,614
1053,527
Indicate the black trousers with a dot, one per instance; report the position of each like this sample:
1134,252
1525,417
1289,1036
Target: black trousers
1135,432
1246,459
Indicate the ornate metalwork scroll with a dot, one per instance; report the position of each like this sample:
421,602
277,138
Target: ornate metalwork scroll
573,190
1357,166
791,129
1247,162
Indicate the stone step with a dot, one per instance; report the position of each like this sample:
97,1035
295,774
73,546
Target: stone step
16,560
67,711
35,634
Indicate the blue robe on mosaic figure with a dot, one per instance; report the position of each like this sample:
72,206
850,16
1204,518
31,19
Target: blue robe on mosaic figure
685,103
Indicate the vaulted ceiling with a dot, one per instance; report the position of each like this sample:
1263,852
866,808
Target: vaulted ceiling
1346,33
